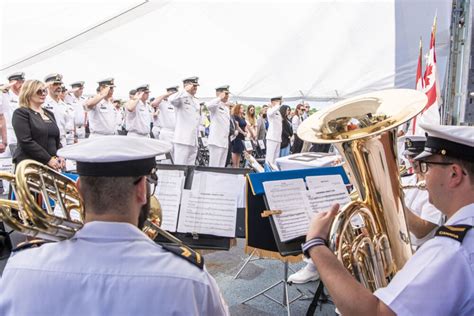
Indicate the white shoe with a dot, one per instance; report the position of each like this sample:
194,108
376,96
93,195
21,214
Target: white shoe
304,275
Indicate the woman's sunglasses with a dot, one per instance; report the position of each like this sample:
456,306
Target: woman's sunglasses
42,92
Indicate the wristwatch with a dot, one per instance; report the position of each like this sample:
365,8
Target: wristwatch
317,241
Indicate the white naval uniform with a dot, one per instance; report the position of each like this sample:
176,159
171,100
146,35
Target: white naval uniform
186,132
273,134
155,118
439,278
106,269
218,133
166,120
102,119
9,103
64,116
79,114
417,201
138,122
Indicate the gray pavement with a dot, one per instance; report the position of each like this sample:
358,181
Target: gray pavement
258,275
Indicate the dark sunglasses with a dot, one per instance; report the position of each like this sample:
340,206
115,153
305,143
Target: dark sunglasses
42,92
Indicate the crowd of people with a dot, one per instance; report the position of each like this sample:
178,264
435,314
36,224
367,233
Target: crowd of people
109,261
176,116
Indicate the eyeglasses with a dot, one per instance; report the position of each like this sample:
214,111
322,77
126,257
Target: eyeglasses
42,92
152,179
424,165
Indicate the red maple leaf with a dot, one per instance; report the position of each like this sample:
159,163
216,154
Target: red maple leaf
428,72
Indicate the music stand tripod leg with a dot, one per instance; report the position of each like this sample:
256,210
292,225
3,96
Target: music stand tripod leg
247,261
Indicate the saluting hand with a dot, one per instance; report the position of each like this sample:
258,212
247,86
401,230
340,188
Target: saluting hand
188,87
105,91
170,93
138,95
223,95
321,223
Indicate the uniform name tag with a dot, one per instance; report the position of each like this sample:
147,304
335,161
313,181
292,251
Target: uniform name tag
103,109
456,232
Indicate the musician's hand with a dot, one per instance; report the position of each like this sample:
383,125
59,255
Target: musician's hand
54,163
62,162
2,147
321,224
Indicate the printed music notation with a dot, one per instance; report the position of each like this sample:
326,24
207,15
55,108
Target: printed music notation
298,204
289,196
208,213
168,191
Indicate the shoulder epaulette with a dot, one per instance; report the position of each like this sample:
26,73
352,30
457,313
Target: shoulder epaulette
29,244
186,253
456,232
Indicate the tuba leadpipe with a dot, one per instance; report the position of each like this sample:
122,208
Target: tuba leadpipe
364,131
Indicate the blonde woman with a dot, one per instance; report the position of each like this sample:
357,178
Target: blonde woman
251,120
35,127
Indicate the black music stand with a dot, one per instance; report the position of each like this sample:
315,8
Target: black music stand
204,241
261,230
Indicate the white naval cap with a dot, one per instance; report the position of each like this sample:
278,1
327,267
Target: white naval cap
448,140
115,156
414,144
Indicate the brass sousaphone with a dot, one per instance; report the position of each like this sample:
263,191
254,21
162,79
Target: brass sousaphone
364,129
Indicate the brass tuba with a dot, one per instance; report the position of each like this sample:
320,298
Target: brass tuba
364,129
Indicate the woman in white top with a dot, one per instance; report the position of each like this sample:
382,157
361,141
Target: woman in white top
295,122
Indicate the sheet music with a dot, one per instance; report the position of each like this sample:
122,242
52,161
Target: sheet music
289,196
210,182
168,191
213,213
324,191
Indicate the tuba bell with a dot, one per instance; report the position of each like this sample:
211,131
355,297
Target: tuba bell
364,131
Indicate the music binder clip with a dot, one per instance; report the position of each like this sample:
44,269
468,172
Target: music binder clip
268,213
195,235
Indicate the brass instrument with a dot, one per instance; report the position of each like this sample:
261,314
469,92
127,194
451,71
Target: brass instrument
152,225
363,129
420,185
34,182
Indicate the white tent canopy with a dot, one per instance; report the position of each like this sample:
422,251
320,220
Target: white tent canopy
311,50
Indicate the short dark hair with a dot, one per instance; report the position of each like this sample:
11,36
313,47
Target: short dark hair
106,194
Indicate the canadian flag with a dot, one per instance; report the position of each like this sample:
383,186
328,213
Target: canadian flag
430,113
420,84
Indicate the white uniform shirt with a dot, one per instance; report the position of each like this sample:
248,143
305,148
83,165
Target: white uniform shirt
139,120
274,124
119,118
417,201
102,118
167,116
106,269
187,118
220,123
439,278
78,106
10,103
62,113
